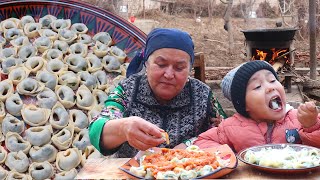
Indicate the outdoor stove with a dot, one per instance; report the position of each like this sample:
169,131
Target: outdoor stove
274,46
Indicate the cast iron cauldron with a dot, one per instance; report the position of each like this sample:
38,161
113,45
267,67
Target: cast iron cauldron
281,34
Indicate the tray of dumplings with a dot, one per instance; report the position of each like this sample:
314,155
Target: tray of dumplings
57,65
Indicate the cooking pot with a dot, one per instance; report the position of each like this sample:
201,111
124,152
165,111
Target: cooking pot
279,34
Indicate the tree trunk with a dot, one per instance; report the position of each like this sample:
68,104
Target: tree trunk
210,10
313,45
228,24
144,11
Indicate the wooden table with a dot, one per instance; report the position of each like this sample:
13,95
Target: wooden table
104,168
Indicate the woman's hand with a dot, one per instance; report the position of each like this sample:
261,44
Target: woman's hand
307,114
141,134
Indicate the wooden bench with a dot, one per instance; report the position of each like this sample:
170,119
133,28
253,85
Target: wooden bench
199,67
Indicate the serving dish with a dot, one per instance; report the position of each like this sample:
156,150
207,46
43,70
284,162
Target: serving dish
224,151
125,35
297,147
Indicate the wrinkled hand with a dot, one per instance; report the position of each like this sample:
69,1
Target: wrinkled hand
307,114
142,134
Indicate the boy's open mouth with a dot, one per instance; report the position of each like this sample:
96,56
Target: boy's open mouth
275,103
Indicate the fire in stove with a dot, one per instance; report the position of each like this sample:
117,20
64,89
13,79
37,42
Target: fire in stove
277,57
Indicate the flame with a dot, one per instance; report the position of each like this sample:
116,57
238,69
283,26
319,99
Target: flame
273,57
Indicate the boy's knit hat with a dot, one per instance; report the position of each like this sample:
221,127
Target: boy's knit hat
234,84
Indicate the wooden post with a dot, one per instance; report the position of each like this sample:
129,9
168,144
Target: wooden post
199,67
313,34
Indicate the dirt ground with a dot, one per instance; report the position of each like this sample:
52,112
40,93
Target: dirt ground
211,39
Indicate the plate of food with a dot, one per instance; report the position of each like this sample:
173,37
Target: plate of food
282,158
190,163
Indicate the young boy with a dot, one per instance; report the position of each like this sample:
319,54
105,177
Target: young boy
262,114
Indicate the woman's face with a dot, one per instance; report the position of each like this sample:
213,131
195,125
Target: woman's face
265,97
167,72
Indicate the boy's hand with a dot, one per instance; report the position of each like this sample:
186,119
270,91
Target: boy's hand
307,114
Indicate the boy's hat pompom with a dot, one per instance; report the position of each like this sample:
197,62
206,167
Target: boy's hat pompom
234,84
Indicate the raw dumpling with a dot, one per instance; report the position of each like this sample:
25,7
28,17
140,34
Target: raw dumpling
94,63
66,96
76,63
100,96
63,139
2,111
17,161
118,53
29,87
103,37
3,42
53,54
10,63
43,43
81,140
7,52
34,64
25,20
79,28
3,155
6,89
65,175
33,133
43,153
59,117
87,79
85,99
85,39
69,159
79,118
48,79
46,98
26,52
56,66
13,175
67,35
100,49
102,79
14,104
18,74
35,116
60,24
48,33
20,42
12,124
41,170
111,64
14,143
46,21
3,173
8,24
13,33
88,153
31,29
79,49
61,46
69,79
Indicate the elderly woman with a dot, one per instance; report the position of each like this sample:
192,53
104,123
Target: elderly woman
163,98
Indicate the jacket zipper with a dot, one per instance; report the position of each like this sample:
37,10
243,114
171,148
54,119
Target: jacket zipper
269,132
